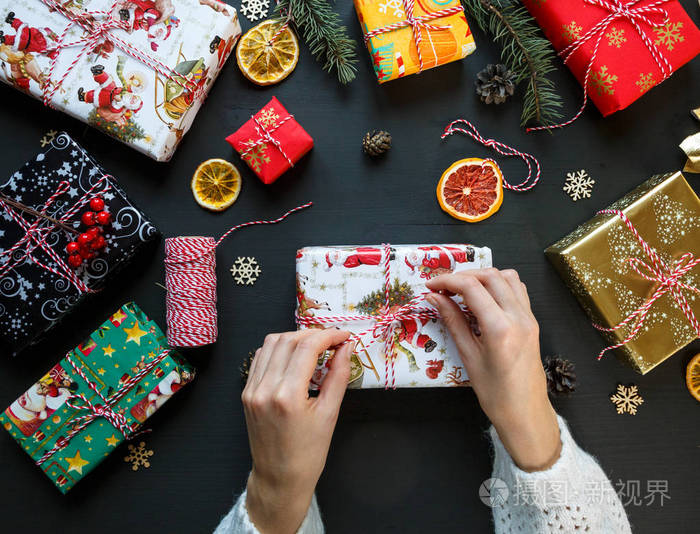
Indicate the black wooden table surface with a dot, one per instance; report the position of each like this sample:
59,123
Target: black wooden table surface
400,461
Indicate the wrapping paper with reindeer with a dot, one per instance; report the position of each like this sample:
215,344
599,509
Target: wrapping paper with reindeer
139,70
377,293
97,396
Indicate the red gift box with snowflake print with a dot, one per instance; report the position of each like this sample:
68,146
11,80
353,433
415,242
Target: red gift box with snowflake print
626,47
271,141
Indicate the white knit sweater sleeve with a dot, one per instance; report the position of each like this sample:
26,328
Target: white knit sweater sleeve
574,495
238,522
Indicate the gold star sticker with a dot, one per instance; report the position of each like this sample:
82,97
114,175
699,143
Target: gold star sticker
112,442
101,371
134,334
108,350
88,438
119,316
76,463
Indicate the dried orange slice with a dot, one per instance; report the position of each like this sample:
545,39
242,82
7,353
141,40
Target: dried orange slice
216,184
264,61
471,189
692,377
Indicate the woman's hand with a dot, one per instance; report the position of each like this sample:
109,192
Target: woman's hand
503,362
289,432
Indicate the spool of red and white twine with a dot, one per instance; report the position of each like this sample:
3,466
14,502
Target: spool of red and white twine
190,281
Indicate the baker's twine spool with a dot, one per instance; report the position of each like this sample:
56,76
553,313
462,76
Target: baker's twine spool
190,281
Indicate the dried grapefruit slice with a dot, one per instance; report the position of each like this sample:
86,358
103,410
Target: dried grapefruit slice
471,189
692,377
216,184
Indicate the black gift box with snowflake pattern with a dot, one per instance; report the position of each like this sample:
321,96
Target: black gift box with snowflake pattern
37,286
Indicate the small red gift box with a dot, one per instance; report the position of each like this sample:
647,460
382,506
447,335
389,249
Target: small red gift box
271,142
637,47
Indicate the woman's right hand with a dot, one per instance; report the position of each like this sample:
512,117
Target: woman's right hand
503,362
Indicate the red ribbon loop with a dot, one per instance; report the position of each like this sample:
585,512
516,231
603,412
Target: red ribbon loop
668,280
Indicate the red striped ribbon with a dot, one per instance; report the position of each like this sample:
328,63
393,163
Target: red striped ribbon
416,23
633,14
36,234
265,134
668,279
106,409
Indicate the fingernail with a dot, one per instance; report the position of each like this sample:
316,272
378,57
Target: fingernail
431,299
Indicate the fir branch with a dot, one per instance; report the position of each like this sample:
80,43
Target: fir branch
525,52
325,36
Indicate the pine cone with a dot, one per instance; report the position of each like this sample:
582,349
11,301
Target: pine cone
561,376
495,84
376,142
245,368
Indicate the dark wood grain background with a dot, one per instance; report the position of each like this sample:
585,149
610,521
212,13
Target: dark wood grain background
401,461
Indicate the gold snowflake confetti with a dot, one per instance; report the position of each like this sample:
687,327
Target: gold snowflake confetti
48,137
645,82
626,399
669,34
571,31
602,81
138,456
245,270
268,118
616,37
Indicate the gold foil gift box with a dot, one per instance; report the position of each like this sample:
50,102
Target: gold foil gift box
638,279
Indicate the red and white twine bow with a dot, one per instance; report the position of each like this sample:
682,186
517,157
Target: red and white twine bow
668,279
98,27
385,323
106,409
618,10
265,135
502,149
416,24
36,234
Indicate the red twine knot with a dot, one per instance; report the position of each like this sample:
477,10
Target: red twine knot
668,280
265,134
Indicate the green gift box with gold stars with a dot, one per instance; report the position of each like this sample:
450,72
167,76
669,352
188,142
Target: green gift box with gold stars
97,396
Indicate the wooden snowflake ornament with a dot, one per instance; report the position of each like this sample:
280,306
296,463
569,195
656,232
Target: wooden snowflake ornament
138,456
578,185
255,9
245,270
626,399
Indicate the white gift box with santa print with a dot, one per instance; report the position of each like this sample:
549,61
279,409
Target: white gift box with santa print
342,281
103,84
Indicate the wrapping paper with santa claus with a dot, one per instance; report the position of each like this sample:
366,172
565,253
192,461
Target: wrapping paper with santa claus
347,287
140,76
123,370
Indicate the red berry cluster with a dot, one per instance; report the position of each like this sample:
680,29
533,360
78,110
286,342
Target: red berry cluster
90,242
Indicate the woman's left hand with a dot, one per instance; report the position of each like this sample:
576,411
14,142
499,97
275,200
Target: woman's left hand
289,432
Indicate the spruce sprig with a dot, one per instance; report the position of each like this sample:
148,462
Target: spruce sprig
525,51
325,36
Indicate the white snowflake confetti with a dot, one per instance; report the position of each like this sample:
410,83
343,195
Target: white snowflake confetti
245,270
578,185
395,5
255,9
626,399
